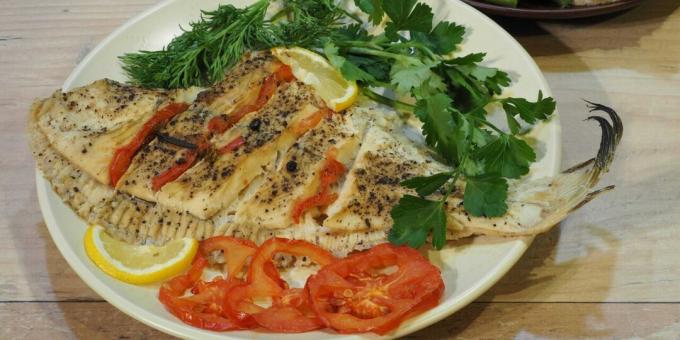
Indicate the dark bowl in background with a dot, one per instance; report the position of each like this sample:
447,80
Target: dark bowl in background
548,12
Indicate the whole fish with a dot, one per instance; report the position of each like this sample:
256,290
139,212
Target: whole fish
259,155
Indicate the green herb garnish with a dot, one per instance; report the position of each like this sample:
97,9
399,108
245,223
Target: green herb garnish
412,57
200,55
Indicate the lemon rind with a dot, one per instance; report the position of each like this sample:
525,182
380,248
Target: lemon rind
157,272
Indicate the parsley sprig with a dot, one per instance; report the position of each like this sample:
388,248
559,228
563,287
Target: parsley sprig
412,57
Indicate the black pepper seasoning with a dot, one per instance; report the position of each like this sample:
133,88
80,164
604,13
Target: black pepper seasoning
291,166
255,124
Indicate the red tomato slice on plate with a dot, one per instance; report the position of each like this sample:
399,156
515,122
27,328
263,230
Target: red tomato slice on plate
375,290
204,309
291,311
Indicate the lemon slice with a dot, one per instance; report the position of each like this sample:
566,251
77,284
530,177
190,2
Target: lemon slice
315,71
138,264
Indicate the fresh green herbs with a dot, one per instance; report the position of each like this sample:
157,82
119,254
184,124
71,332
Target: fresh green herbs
451,96
221,37
412,57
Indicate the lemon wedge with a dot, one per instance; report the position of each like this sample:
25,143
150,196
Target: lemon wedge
138,264
315,71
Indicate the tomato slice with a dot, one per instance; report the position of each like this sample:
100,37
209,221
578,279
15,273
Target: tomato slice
157,182
233,145
122,157
236,252
284,73
258,276
321,199
330,174
291,313
287,314
311,121
222,123
204,309
357,294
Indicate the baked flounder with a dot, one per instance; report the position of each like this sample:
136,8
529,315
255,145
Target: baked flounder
258,155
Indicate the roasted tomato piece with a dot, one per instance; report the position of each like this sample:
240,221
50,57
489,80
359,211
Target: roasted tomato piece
233,145
222,123
320,199
375,290
182,165
290,311
330,174
311,121
122,157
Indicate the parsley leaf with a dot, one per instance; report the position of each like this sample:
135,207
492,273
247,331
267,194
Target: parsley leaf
378,68
408,75
443,39
491,78
528,111
438,124
414,219
508,156
496,82
513,124
471,58
407,15
427,185
373,8
485,195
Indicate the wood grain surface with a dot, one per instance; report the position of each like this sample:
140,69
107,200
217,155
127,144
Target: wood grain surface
611,270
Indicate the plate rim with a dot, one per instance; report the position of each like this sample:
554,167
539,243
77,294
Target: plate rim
138,313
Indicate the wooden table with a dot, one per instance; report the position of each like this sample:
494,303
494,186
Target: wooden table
610,270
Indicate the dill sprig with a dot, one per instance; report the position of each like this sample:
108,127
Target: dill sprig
201,54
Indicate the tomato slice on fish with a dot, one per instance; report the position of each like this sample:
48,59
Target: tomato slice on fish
180,167
122,157
233,145
330,174
222,123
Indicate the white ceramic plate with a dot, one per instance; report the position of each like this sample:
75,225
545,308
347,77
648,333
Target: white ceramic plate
468,270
